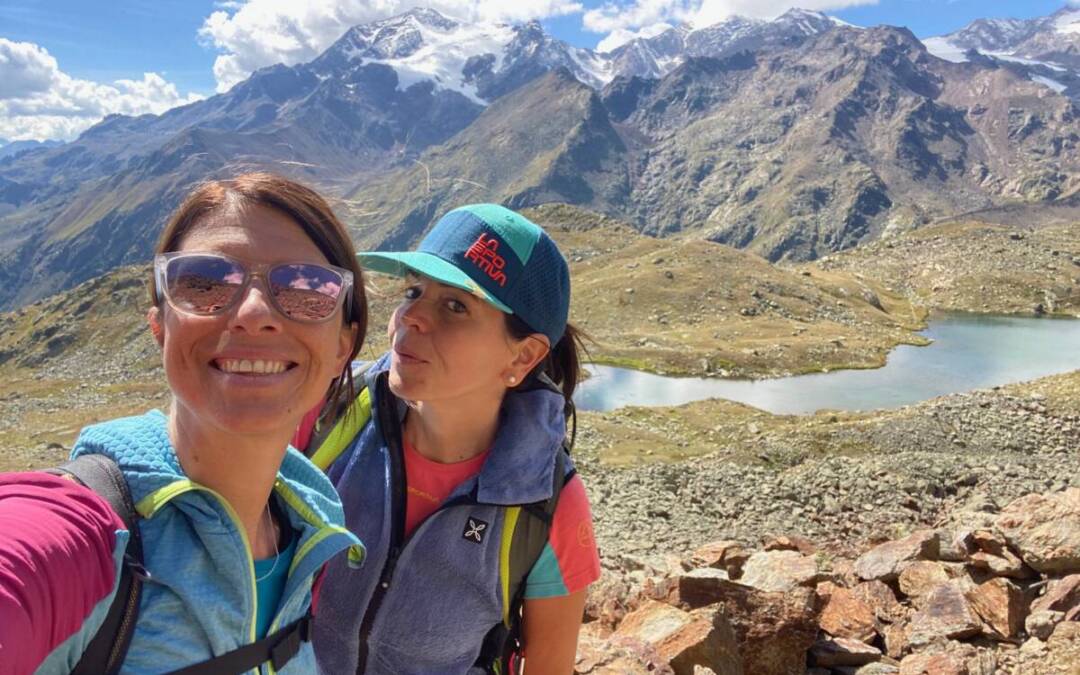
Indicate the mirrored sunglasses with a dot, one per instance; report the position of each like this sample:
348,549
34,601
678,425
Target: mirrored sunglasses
211,283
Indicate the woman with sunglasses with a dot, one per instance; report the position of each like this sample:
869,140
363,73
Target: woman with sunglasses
468,423
258,309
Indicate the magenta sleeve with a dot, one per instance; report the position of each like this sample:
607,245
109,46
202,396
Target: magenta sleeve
57,541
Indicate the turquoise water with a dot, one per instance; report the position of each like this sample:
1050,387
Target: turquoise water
968,352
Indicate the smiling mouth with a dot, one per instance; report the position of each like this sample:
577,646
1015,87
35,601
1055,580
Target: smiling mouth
252,367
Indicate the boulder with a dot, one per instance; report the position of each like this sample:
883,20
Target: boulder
994,556
1045,530
617,656
726,555
843,652
790,543
702,587
773,630
844,614
952,659
885,561
1058,655
921,577
946,612
781,571
1062,595
879,596
685,639
1041,624
1001,605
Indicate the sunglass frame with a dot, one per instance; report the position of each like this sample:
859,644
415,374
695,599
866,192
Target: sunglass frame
251,271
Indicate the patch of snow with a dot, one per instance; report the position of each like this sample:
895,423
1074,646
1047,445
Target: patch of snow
943,49
443,54
841,22
1053,84
1005,56
1068,22
592,64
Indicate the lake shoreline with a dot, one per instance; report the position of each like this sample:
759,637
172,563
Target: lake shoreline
960,345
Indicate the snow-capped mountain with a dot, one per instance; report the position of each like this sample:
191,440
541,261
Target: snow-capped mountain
484,61
1046,48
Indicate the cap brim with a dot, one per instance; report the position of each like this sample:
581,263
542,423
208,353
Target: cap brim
428,265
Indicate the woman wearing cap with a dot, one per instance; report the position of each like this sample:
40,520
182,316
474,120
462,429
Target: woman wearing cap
468,420
258,309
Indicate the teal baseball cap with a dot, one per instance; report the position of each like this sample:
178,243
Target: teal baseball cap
496,254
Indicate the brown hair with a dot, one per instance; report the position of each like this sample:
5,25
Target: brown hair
311,213
562,363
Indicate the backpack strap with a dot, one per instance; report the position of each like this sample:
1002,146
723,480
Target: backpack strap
524,536
327,444
329,447
278,648
107,649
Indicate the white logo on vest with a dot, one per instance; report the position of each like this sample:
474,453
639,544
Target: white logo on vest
474,530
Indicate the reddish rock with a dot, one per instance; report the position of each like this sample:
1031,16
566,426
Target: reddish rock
885,561
945,613
921,577
684,639
701,587
773,630
994,556
780,571
880,597
1045,530
1062,595
617,656
896,639
1001,604
843,652
952,661
726,555
844,614
786,543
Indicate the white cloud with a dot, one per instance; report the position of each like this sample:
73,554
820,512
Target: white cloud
621,36
637,14
39,101
258,33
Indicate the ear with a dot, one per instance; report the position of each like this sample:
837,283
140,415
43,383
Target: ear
530,352
153,318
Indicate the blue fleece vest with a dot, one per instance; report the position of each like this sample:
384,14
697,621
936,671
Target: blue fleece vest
444,594
199,600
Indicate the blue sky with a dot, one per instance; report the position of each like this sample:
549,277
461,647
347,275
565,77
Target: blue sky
73,61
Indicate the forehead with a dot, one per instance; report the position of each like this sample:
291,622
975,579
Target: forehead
256,233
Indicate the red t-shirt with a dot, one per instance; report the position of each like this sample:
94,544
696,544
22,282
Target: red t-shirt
570,560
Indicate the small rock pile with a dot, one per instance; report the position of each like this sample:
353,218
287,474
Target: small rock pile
984,594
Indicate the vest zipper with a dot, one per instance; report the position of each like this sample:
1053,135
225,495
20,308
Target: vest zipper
390,426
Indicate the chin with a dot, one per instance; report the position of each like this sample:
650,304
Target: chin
404,389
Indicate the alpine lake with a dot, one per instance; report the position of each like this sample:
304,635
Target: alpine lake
969,351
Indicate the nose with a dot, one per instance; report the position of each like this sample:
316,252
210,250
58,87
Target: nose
254,313
414,314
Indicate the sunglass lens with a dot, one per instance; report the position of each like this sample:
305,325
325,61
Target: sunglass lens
203,284
305,292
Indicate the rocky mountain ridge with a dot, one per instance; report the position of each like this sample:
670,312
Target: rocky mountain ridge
792,138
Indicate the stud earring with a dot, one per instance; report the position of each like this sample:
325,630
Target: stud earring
512,380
